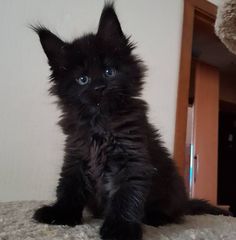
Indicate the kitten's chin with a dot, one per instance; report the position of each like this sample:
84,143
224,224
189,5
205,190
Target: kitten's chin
101,108
95,108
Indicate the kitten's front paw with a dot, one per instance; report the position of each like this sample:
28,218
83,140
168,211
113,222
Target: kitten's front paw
56,216
120,230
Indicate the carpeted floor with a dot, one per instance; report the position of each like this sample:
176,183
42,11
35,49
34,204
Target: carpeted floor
16,223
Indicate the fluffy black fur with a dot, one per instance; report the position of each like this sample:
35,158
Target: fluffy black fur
115,163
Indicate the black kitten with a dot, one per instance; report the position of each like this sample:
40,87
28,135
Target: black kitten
114,162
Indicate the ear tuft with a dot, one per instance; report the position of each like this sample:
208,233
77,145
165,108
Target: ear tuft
52,45
109,28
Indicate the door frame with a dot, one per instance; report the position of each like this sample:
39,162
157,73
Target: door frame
193,9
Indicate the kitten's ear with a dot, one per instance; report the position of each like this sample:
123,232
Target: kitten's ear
109,28
52,45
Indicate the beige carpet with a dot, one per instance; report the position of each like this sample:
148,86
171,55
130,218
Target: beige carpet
16,224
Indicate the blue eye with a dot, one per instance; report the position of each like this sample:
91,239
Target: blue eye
109,72
82,80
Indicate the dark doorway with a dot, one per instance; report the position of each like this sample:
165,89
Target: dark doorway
227,158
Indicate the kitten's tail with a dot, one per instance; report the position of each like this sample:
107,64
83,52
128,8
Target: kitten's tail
200,207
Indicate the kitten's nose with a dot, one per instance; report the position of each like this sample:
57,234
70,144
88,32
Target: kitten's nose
100,87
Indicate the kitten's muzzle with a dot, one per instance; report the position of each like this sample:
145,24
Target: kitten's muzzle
100,88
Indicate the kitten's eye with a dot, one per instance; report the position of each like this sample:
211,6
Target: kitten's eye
109,72
82,80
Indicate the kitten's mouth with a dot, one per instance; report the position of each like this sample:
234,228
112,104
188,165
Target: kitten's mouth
100,103
99,100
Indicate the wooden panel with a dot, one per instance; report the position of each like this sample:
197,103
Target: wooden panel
208,9
206,111
183,89
192,8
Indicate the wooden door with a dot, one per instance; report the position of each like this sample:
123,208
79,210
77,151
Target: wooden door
206,111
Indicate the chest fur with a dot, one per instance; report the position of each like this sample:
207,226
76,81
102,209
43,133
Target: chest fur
100,148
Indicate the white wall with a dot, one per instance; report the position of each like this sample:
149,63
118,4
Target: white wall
31,145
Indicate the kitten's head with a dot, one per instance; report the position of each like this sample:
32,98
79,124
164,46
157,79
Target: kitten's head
94,69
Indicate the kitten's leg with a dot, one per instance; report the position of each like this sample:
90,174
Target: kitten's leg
166,200
158,217
72,195
125,209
